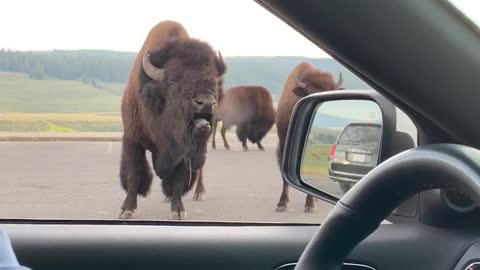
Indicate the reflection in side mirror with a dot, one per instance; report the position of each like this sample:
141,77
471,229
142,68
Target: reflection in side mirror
343,144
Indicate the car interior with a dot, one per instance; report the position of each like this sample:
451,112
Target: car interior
419,56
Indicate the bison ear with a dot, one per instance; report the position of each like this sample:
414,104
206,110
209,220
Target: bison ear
300,91
220,64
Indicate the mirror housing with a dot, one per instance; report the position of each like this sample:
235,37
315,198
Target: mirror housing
392,143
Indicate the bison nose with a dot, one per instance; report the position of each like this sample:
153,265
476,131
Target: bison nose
205,104
200,102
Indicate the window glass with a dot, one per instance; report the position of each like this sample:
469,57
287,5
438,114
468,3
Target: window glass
64,68
361,134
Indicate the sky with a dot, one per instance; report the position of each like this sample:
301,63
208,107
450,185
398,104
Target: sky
471,8
361,111
236,27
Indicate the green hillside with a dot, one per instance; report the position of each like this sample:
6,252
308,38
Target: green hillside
20,93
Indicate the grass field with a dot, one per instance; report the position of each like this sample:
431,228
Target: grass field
51,122
57,105
316,159
21,94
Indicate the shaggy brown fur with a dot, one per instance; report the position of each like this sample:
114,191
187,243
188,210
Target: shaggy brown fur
303,80
169,116
251,109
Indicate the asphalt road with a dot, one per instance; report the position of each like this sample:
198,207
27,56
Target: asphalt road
78,180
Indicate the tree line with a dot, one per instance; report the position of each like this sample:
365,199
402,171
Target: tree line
83,65
97,66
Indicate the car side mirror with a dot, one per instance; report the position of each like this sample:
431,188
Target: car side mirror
337,137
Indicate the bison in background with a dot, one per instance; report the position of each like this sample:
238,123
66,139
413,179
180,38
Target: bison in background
167,108
251,109
302,81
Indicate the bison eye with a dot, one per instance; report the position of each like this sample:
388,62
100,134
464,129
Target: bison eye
172,82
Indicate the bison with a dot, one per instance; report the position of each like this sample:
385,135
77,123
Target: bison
302,81
167,108
251,109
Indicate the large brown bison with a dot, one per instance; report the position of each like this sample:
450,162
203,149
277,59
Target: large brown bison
167,109
251,109
302,81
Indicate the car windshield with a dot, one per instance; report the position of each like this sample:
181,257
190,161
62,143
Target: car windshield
361,135
159,110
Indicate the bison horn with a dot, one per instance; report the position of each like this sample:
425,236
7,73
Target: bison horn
340,81
301,84
221,67
220,64
152,71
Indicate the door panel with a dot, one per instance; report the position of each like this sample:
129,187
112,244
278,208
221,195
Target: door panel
221,247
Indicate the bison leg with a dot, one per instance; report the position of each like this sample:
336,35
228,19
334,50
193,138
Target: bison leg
223,131
135,175
258,130
309,204
174,186
244,145
199,194
214,132
242,134
282,203
260,146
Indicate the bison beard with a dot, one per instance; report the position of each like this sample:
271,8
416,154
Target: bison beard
197,143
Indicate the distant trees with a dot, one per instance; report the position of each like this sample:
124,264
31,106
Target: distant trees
323,136
37,72
82,65
97,66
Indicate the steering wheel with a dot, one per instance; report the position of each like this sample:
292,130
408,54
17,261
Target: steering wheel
371,200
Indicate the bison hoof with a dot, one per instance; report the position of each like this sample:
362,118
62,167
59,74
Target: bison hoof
181,215
245,149
127,214
199,196
167,200
281,208
261,148
309,209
